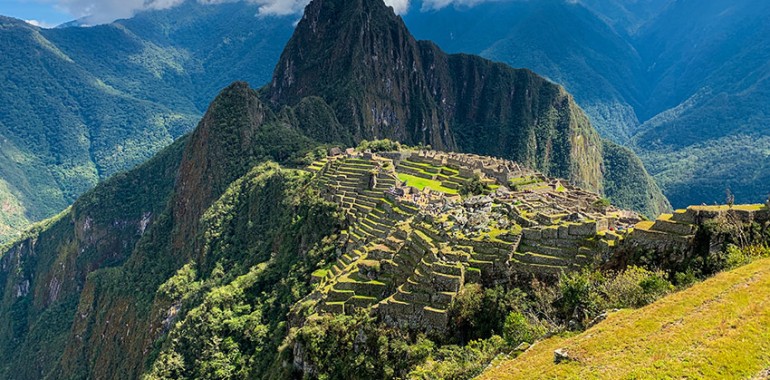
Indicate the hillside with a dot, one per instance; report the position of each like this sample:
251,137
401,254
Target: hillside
81,104
680,83
708,94
94,270
573,47
716,329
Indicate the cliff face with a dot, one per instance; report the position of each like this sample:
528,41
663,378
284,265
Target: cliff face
380,82
79,293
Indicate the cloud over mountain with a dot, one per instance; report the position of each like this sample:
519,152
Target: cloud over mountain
105,11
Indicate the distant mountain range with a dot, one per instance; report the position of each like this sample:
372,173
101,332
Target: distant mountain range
682,82
81,104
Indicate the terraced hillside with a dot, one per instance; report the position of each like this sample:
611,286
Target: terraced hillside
714,330
413,242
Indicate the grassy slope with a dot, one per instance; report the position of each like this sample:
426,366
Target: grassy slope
716,329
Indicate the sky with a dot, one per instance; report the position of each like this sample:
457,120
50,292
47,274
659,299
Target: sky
45,14
49,13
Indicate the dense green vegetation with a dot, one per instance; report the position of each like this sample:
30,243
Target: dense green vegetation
106,257
716,329
627,183
81,104
681,82
234,301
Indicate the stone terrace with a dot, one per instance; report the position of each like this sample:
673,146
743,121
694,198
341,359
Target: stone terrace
411,247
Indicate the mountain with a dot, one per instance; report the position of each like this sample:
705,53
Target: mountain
707,129
572,46
206,251
417,94
682,83
94,270
81,104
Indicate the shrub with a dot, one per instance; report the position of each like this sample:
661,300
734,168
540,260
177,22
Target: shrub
384,145
686,279
520,328
578,298
473,186
736,257
455,362
480,313
635,287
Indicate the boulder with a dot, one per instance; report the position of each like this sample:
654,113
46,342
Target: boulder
561,356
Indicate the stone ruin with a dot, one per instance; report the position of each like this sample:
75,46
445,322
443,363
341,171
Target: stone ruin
409,249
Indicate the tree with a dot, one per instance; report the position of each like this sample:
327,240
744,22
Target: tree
519,328
473,186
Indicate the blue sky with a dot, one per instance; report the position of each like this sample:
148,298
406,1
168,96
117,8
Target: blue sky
45,13
50,13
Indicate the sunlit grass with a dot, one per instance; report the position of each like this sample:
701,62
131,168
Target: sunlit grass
719,329
422,183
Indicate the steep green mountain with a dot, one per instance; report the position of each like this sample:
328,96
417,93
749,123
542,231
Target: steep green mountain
682,83
565,42
382,83
81,290
81,104
63,127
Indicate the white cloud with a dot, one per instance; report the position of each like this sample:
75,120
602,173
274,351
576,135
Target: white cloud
400,6
40,24
438,4
105,11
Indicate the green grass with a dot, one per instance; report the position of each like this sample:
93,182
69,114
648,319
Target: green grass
320,273
718,329
752,207
422,183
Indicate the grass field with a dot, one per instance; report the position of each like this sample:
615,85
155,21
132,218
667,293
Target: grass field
718,329
421,183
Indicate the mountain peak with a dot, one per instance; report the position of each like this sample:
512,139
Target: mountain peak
359,59
344,42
